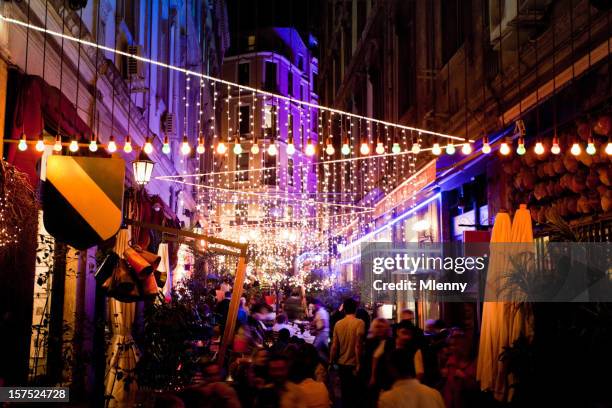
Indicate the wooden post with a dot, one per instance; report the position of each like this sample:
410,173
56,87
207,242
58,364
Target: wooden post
230,324
3,85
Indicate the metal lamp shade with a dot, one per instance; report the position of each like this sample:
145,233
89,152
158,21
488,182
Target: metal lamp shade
143,168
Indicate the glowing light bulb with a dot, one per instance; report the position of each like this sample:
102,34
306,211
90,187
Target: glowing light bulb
40,145
555,148
272,150
127,147
112,146
466,148
539,148
345,150
576,149
237,148
310,149
166,146
200,149
221,147
380,148
23,144
396,149
590,149
74,146
416,148
148,146
450,149
504,148
609,148
290,148
364,149
330,149
436,149
93,146
58,144
185,148
520,149
486,148
255,148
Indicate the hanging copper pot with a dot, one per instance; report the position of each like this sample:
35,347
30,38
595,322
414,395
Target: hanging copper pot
105,270
149,287
160,278
140,265
151,258
123,281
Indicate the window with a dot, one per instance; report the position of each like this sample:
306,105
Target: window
269,175
242,166
290,83
269,119
241,211
300,62
244,73
290,172
251,42
245,123
270,76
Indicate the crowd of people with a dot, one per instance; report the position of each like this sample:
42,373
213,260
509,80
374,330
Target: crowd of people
302,356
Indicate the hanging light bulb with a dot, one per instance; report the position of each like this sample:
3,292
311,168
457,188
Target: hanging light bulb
93,145
416,148
504,148
520,149
310,148
590,149
345,150
450,149
396,149
200,149
40,144
221,147
380,148
111,147
272,150
609,148
127,147
330,148
237,147
166,146
290,147
364,149
255,148
74,146
23,144
185,148
436,150
576,149
555,148
539,148
466,148
58,144
486,147
148,146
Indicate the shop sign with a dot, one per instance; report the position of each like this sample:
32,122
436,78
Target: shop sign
407,189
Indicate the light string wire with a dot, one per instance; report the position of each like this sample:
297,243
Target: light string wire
221,81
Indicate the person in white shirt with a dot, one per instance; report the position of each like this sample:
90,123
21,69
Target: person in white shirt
281,323
407,391
320,326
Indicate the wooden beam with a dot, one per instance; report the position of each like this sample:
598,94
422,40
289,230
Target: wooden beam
232,315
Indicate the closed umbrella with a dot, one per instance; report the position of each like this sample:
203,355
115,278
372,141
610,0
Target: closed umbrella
493,311
122,353
164,267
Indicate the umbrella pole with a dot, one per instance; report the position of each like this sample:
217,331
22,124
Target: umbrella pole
230,324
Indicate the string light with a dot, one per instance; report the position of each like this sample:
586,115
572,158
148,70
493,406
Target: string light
555,148
127,147
396,149
57,146
166,146
380,148
40,145
486,147
23,144
237,147
539,148
74,146
466,148
93,145
416,146
520,149
590,149
346,150
365,148
148,146
329,149
310,148
290,147
200,149
436,150
609,148
504,148
221,147
450,149
185,148
255,147
272,149
576,149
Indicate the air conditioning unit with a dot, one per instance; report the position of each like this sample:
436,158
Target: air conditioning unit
504,18
134,66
